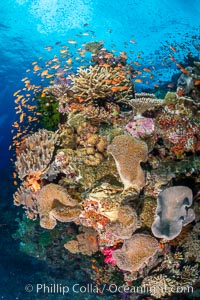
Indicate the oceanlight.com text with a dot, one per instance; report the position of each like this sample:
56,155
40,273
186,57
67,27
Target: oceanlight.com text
58,288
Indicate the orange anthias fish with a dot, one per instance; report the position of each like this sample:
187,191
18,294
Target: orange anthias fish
172,48
197,82
147,70
138,80
45,72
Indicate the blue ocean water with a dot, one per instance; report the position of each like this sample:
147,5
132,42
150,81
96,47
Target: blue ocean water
27,27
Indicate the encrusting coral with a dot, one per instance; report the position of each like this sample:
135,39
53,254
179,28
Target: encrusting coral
128,153
172,212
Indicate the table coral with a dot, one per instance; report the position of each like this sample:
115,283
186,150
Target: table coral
128,153
144,102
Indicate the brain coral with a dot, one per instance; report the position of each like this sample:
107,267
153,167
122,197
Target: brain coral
136,252
128,153
172,212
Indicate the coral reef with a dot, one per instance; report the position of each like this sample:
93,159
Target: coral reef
90,185
128,153
172,212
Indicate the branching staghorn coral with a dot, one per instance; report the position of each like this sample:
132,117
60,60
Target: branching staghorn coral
159,285
172,212
90,84
36,154
128,153
58,90
101,82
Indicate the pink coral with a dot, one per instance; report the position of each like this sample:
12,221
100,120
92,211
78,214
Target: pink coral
108,253
142,128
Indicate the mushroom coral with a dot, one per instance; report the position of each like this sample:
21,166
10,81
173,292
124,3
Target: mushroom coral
136,252
172,212
54,203
128,153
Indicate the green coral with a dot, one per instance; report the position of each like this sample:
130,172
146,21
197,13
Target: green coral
48,108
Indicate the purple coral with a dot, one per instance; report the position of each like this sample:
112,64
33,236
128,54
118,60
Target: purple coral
141,128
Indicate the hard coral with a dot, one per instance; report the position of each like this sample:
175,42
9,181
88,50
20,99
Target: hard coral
90,84
136,252
91,145
191,245
144,102
172,212
37,153
159,285
128,153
